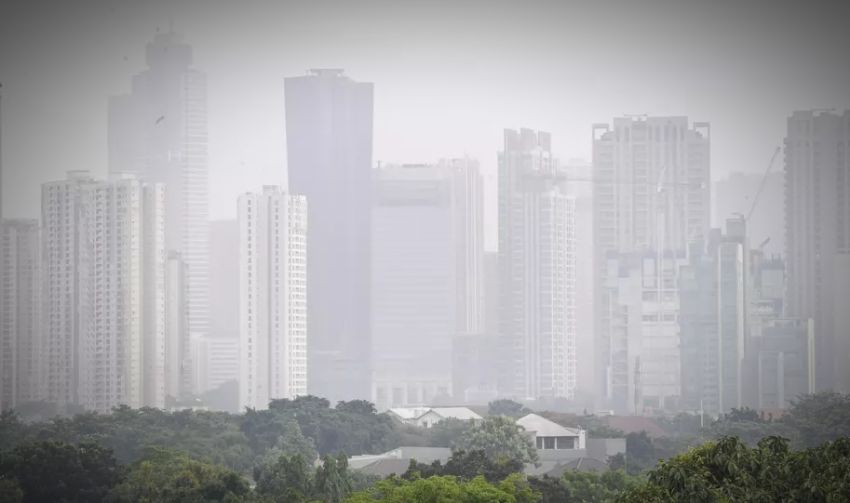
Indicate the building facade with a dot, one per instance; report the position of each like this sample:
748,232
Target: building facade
104,268
158,131
329,158
273,297
427,260
536,271
817,219
20,313
651,191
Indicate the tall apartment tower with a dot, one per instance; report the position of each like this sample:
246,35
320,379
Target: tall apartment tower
159,133
20,312
329,155
273,297
651,181
427,253
104,270
179,379
536,270
817,218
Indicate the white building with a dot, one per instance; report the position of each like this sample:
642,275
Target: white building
645,370
651,180
178,358
426,417
273,302
158,131
427,239
104,267
216,361
549,435
537,271
20,312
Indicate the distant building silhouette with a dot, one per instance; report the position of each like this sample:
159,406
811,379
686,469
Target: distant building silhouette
329,159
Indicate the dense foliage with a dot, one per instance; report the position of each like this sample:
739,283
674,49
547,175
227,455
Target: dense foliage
295,452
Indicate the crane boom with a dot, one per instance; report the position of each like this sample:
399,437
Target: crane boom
761,185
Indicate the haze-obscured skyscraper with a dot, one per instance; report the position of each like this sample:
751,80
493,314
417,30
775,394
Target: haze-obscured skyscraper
329,159
20,313
104,275
427,253
817,218
735,195
537,270
273,297
159,133
651,179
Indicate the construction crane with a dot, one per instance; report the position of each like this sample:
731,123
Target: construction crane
761,185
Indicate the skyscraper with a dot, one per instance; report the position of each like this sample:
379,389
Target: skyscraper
427,252
817,219
651,192
537,270
329,156
104,273
273,297
20,312
159,132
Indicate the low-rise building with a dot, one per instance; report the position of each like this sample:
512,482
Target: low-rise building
427,417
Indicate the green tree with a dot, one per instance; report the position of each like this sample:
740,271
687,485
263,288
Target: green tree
447,489
287,481
500,438
332,482
466,466
55,471
506,407
819,418
164,476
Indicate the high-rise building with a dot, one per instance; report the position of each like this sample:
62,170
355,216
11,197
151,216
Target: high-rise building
20,313
645,355
817,219
217,363
329,156
714,320
427,260
104,276
273,297
159,133
651,192
178,347
536,271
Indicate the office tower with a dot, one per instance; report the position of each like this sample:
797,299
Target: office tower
651,192
178,358
537,271
159,132
273,297
20,313
217,363
104,268
740,193
427,252
779,364
817,219
329,155
714,320
643,305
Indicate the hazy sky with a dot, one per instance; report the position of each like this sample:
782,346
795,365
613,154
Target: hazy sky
449,76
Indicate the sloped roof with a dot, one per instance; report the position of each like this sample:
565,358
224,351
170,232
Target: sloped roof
463,413
543,427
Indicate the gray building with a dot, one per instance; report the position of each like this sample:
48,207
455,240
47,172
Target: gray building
158,131
779,364
329,159
817,218
427,268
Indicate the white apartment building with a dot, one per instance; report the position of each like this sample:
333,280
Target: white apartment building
651,183
427,253
273,302
537,271
104,257
20,312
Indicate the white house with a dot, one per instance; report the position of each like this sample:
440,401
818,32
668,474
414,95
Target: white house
548,435
429,416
